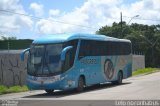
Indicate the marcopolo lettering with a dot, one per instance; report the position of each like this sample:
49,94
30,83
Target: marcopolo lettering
88,61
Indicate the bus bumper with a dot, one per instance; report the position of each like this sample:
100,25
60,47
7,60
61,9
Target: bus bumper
55,82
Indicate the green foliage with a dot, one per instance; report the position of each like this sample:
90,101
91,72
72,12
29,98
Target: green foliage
13,89
15,44
144,38
3,89
145,71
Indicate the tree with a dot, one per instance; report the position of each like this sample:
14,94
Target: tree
8,38
144,38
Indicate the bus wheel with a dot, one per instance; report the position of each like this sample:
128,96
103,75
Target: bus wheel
120,78
81,84
49,91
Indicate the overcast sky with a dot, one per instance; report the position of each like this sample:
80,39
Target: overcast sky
72,15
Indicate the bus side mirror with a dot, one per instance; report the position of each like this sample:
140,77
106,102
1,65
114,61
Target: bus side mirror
23,53
64,51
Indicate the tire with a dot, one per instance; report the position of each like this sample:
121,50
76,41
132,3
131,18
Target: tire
119,80
49,91
81,84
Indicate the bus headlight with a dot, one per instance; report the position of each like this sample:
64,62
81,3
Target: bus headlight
70,82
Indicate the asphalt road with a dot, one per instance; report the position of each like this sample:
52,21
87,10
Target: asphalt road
146,87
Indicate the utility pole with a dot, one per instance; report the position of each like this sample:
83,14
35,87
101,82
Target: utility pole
122,30
121,23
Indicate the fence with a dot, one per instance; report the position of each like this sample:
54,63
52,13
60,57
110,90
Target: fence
138,62
12,69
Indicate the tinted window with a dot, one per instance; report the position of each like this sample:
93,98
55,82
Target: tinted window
70,55
103,48
52,63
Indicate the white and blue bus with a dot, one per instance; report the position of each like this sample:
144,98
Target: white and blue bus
68,61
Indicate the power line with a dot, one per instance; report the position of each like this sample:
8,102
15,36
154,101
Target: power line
51,20
142,18
62,22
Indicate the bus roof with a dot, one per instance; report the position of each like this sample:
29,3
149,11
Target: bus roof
58,38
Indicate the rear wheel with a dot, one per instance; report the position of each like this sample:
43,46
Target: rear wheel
81,84
49,91
120,78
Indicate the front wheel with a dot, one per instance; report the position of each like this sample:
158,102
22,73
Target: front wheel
49,91
81,84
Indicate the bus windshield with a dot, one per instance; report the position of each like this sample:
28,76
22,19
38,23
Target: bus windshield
44,59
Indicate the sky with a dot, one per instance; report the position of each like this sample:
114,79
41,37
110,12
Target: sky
45,17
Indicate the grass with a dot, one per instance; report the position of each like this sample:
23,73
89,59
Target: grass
13,89
145,71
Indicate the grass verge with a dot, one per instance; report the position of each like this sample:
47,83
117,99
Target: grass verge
145,71
13,89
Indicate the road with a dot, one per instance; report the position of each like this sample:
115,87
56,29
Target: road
146,87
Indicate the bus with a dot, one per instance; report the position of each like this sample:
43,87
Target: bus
76,60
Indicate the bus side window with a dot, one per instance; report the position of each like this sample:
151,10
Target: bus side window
83,51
